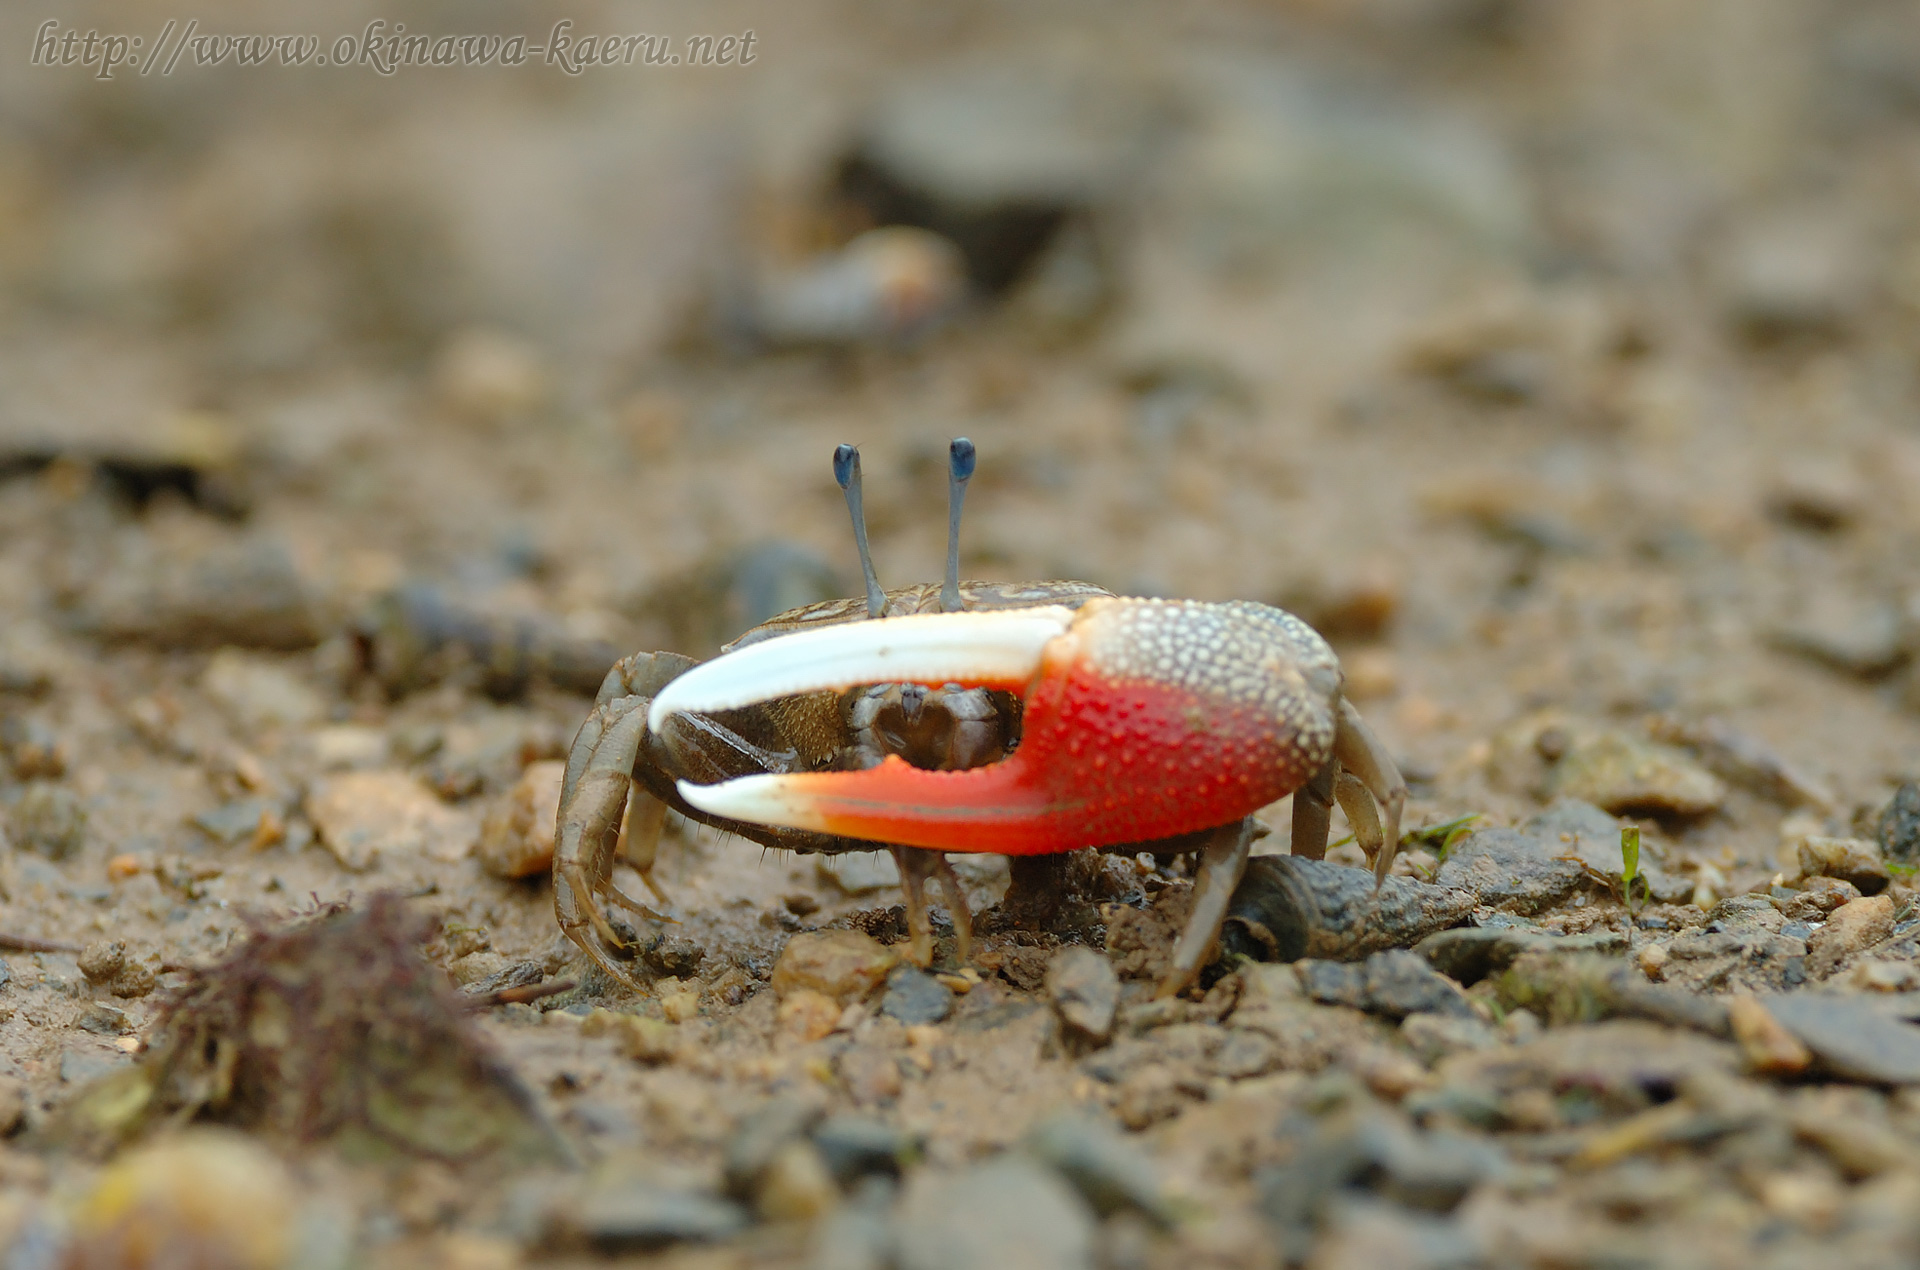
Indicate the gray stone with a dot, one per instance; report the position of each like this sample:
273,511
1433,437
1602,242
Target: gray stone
1333,982
1469,954
1011,1213
856,1146
633,1215
1628,775
758,1138
1899,827
1580,830
1512,870
1370,1151
81,1064
1086,992
916,997
1108,1170
105,1020
1400,983
1851,1037
858,1234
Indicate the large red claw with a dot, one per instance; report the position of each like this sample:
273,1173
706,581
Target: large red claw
1143,719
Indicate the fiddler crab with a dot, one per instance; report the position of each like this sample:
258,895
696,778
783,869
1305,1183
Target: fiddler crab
1021,719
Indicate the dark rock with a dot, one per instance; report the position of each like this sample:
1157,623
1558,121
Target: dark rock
855,1147
915,997
1899,828
1851,1037
1394,983
1370,1151
1010,1213
633,1215
1104,1166
1286,909
1334,983
1400,983
1086,992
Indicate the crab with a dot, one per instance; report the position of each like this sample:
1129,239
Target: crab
1020,719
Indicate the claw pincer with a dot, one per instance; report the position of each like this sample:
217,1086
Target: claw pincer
1141,719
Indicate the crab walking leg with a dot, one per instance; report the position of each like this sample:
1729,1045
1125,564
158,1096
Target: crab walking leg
1361,752
1222,862
916,866
640,837
592,803
1362,815
1313,812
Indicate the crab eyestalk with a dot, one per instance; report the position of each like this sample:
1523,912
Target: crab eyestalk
846,471
1141,719
960,461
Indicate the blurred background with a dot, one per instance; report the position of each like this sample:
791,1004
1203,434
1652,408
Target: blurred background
1544,353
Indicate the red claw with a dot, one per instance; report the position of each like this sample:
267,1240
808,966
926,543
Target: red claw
1142,719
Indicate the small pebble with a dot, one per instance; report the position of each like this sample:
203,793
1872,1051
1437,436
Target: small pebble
362,816
105,1020
856,1146
644,1040
842,964
1819,897
1853,860
1851,927
33,748
1625,775
50,819
806,1015
637,1215
915,997
199,1198
1899,828
1770,1049
259,694
1010,1213
796,1185
871,1075
516,838
1085,992
1109,1171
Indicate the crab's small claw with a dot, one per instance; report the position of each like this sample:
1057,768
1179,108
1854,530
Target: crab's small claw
1142,719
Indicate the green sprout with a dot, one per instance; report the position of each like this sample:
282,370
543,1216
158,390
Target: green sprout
1630,864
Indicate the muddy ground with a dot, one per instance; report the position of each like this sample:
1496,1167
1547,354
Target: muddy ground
1560,361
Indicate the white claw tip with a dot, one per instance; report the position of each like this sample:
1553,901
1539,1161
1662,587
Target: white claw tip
934,648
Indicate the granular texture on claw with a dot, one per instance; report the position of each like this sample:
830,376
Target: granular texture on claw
336,1029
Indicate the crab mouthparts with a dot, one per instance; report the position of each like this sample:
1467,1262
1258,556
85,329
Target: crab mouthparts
1141,719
